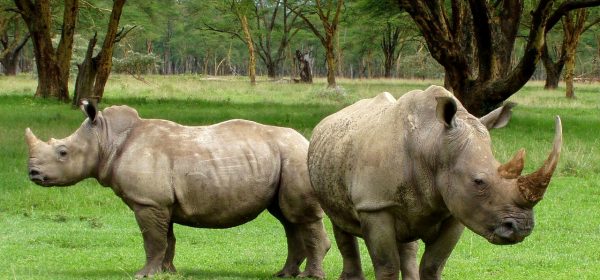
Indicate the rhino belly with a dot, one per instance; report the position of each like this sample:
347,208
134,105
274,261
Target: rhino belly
225,191
334,198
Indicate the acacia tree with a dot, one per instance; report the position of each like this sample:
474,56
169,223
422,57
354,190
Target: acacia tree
267,18
572,29
488,30
12,39
53,64
329,13
94,70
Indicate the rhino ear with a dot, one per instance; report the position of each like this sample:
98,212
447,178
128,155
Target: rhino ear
498,118
446,110
89,109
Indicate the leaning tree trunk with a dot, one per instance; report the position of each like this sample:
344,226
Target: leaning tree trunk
94,71
88,69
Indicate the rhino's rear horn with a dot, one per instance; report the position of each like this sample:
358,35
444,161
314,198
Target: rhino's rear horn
533,186
513,168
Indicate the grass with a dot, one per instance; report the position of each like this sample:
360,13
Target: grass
86,232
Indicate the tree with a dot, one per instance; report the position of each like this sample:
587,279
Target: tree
12,40
240,13
474,42
266,33
572,29
94,70
329,13
53,64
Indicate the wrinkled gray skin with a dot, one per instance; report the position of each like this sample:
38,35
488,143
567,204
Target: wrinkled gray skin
216,176
420,167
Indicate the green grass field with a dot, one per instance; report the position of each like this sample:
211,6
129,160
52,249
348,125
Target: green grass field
86,232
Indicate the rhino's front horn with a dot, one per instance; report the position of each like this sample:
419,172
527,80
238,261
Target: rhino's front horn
533,186
30,137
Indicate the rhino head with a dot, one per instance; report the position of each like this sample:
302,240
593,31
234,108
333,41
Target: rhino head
494,200
64,162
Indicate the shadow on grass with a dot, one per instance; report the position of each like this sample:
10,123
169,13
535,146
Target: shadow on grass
181,274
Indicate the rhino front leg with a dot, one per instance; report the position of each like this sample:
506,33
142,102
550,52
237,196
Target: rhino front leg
348,246
408,260
154,224
380,236
167,264
438,250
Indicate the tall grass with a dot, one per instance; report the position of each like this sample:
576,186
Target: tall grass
86,232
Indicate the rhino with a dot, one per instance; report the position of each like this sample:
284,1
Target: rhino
420,167
216,176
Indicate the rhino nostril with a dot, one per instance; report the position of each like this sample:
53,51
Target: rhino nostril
33,172
510,224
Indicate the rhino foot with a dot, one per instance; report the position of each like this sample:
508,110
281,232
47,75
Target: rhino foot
317,274
148,272
349,276
287,273
169,267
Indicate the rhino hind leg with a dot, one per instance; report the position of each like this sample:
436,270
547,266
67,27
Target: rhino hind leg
295,245
154,224
316,244
348,246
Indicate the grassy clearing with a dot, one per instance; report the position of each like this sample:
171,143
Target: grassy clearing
86,232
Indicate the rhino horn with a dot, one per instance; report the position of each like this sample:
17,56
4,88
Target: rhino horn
533,186
30,137
513,168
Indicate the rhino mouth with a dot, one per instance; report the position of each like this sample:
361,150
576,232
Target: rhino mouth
510,231
38,178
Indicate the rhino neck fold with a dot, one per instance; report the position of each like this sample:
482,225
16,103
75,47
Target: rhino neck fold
110,143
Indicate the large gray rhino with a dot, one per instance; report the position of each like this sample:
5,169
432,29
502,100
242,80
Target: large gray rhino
420,167
216,176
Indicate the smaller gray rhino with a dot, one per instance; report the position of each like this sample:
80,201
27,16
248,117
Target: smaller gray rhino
216,176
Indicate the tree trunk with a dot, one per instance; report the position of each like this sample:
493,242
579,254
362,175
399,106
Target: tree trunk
250,44
553,69
305,66
330,57
86,75
389,43
330,20
52,65
94,71
272,69
569,72
573,28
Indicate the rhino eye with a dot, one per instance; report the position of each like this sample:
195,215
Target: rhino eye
62,153
478,182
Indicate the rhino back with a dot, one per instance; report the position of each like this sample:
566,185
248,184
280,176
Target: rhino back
213,176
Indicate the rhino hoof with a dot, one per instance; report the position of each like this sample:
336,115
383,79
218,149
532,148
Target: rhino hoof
147,272
348,276
287,273
312,274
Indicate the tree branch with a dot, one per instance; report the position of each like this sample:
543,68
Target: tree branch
566,7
